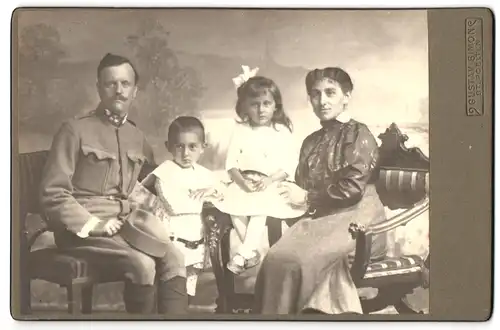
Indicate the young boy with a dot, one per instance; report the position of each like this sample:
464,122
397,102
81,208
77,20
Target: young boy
182,186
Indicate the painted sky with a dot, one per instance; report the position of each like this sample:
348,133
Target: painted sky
385,52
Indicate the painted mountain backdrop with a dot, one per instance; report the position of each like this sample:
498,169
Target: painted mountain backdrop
187,59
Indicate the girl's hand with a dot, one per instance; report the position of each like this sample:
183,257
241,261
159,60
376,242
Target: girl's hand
247,185
263,183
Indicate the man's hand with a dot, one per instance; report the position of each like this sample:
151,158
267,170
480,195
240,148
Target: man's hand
112,226
106,228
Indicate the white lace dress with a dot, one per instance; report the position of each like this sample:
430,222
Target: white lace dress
265,150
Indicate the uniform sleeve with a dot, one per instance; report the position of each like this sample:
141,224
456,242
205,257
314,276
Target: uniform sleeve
149,153
233,151
150,163
57,202
350,181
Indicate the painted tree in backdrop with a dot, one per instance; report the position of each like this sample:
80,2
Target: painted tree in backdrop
49,91
166,89
40,51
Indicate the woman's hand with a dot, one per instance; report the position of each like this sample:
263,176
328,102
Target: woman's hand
294,194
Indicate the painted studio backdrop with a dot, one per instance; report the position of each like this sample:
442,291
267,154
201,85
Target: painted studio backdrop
187,59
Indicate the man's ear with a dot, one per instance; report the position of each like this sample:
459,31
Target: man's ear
134,92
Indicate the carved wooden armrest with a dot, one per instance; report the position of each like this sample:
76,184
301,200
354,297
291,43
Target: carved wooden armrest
362,252
401,219
355,229
363,236
402,182
216,224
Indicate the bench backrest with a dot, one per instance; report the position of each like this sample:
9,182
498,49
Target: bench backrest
403,173
30,175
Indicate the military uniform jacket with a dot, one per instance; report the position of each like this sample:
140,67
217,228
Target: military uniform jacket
92,167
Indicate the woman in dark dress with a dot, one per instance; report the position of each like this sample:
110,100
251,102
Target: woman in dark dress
308,268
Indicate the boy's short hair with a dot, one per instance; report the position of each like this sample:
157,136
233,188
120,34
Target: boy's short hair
185,124
114,60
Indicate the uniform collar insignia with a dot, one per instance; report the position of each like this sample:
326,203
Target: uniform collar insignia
115,119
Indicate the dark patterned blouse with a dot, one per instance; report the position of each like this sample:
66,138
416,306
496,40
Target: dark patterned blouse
336,164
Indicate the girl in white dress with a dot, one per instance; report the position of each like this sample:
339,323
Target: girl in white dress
261,155
182,185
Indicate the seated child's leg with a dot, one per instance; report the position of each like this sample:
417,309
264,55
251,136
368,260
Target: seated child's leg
240,224
254,232
248,256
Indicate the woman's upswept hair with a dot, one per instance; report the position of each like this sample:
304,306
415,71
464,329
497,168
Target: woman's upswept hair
255,86
333,73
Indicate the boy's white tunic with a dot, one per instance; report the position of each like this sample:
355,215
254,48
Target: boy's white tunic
183,212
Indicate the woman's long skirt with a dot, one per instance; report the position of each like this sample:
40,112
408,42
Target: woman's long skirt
309,267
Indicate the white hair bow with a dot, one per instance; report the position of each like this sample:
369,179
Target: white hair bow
243,77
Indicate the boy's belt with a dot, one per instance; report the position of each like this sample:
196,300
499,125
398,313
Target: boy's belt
193,245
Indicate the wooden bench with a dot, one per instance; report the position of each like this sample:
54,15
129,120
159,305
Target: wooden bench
402,183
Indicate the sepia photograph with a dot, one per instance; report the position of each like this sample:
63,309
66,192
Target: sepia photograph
187,162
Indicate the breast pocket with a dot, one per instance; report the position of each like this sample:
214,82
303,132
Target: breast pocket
136,161
93,169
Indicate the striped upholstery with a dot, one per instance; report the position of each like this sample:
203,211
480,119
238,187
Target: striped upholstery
402,188
405,270
403,181
396,266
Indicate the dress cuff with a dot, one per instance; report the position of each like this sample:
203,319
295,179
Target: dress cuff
88,227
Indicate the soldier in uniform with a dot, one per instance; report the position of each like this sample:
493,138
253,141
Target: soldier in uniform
93,165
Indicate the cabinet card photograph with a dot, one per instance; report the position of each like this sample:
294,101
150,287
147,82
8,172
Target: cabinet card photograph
253,164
